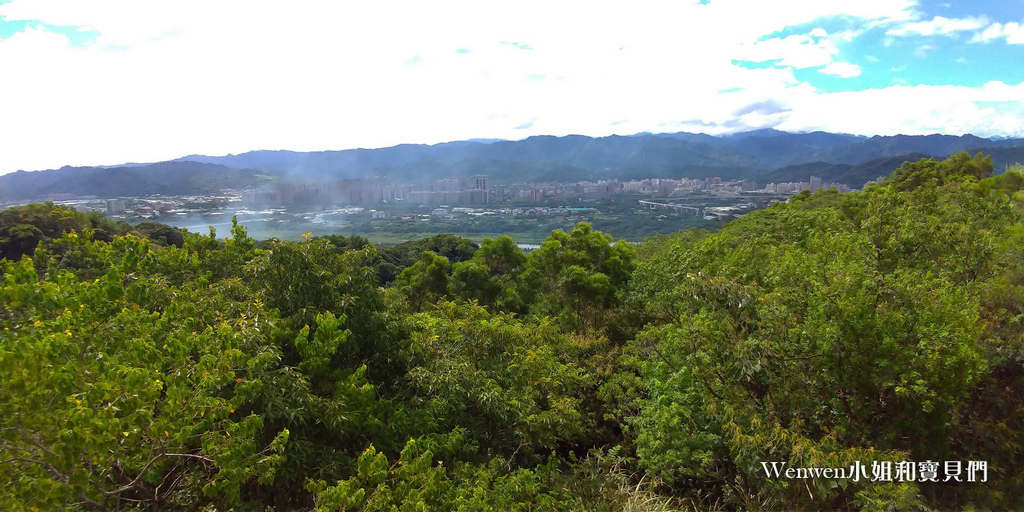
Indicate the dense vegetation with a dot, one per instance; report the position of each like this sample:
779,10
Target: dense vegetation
24,228
137,372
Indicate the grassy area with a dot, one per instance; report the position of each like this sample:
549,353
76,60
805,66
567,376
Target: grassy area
620,218
631,232
382,237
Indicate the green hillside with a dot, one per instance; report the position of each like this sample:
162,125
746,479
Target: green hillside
860,334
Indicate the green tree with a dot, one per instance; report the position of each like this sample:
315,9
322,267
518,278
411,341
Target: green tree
414,481
820,334
394,259
118,391
491,277
780,344
23,227
426,281
960,166
578,277
162,234
508,383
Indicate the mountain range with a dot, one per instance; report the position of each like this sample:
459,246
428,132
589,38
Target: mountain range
762,156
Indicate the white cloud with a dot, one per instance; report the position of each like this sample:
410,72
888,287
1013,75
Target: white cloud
993,109
984,29
1001,92
1013,33
798,51
939,26
170,78
922,50
841,69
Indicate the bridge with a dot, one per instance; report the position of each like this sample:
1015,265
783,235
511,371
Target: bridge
675,207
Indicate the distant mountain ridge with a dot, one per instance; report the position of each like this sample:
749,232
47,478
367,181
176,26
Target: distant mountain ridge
763,156
657,153
169,178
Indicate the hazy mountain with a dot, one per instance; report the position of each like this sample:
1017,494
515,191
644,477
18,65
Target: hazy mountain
936,145
1002,157
857,175
529,159
172,178
762,155
853,175
656,153
773,148
615,152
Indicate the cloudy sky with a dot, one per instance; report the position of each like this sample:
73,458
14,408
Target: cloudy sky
100,82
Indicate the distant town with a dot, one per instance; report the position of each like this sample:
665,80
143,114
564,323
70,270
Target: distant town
477,190
473,207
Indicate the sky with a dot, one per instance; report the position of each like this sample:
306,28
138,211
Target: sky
104,82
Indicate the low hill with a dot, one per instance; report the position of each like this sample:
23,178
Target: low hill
853,175
171,178
935,145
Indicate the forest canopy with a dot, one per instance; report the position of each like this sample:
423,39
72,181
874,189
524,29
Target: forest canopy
146,368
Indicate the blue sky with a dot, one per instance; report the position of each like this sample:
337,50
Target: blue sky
910,54
96,82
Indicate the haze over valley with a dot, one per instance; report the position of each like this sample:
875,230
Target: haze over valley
763,156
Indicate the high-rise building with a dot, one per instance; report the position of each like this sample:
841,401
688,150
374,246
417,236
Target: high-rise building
815,183
447,185
480,181
478,192
115,206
